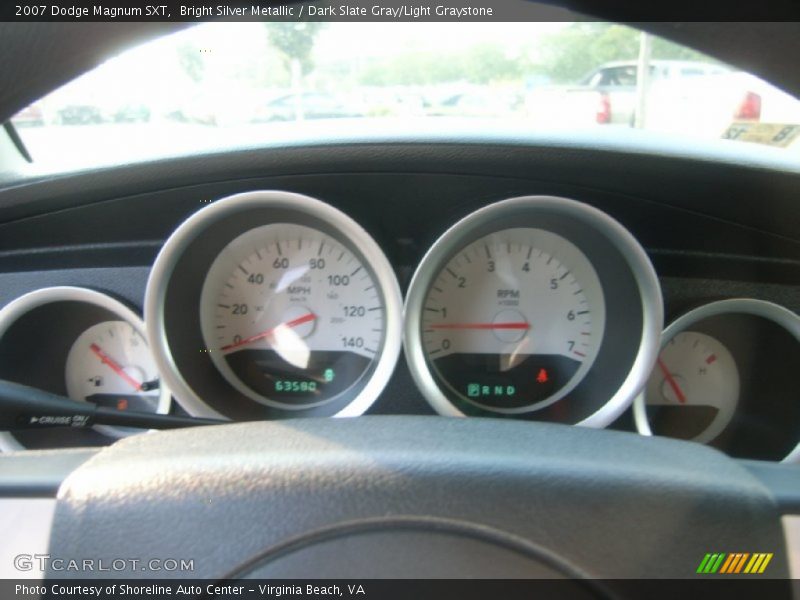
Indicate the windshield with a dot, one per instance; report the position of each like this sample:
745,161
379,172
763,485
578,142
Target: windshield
233,84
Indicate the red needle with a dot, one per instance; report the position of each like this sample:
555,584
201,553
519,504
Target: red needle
264,334
671,381
481,326
114,366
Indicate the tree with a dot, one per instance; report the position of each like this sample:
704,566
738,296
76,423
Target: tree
579,48
191,61
295,41
480,64
487,62
411,68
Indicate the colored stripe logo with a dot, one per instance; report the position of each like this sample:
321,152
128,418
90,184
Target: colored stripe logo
734,563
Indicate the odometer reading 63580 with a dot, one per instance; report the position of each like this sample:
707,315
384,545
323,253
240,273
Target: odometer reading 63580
291,316
513,320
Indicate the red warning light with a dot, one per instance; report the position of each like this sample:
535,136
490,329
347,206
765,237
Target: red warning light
122,404
542,377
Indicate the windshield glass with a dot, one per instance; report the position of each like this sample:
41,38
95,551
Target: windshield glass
233,84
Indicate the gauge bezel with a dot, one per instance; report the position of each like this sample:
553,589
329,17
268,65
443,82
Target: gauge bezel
576,219
749,306
204,235
27,302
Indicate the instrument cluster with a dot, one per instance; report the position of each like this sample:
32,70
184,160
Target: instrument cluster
272,305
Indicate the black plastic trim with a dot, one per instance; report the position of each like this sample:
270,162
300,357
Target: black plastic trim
782,480
39,474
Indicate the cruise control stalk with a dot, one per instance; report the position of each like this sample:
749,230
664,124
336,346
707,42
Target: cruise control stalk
25,407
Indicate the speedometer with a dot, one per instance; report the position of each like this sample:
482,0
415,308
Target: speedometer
536,307
291,317
272,304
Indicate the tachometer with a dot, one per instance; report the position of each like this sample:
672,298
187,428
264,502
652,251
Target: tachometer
534,307
515,320
272,304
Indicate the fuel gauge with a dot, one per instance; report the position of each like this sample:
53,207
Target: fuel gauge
84,344
110,365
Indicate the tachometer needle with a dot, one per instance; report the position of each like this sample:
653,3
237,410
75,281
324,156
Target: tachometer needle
671,381
265,334
114,366
520,325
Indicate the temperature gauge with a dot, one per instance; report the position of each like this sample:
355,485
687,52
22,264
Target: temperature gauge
692,393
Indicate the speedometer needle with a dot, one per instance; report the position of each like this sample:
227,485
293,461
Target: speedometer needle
520,325
671,381
114,366
265,334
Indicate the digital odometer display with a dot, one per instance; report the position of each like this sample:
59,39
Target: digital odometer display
291,316
513,320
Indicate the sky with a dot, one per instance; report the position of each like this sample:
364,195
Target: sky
347,40
154,65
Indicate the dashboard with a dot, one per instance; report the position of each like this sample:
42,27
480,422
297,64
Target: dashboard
549,282
687,259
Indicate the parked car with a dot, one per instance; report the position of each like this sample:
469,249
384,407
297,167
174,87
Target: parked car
394,102
707,106
607,95
79,114
683,97
132,113
308,105
31,116
474,103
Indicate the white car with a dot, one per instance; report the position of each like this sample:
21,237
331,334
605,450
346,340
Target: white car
683,98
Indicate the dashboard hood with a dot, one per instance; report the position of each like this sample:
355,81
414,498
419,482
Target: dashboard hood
454,133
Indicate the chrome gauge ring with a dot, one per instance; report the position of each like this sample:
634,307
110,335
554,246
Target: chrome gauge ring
272,304
725,377
535,307
96,351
